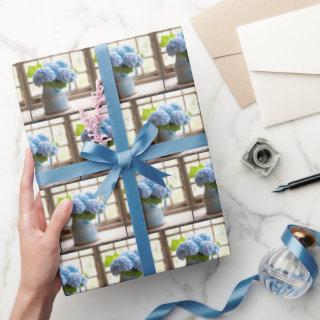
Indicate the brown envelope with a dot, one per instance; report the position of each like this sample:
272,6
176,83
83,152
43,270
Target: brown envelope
216,27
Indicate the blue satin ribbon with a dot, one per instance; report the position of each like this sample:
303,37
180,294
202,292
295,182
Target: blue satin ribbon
124,161
129,159
241,289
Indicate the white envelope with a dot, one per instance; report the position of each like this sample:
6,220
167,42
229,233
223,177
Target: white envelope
283,58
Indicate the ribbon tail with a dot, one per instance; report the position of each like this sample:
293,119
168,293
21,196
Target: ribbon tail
199,309
144,138
150,172
109,183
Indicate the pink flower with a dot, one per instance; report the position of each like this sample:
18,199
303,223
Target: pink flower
92,121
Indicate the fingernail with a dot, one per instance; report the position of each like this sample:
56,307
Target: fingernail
66,203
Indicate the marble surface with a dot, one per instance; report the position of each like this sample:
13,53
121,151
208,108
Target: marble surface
257,217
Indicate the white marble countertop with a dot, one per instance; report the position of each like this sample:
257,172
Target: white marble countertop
257,217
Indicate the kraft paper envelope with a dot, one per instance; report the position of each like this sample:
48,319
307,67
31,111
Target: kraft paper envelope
283,59
216,27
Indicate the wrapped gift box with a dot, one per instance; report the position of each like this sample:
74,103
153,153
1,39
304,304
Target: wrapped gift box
118,129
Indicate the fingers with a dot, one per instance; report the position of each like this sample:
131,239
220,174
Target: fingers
26,184
59,219
42,223
57,284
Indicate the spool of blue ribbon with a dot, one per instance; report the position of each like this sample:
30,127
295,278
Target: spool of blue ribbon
241,289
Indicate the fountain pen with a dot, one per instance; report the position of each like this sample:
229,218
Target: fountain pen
298,183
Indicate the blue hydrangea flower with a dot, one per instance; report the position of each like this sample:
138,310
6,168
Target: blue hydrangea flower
169,114
53,71
135,259
42,137
87,202
186,249
204,176
179,117
127,48
94,206
196,239
40,145
156,189
65,75
137,264
61,64
159,118
105,127
169,108
121,264
132,59
53,65
63,275
78,205
160,191
125,56
44,75
144,189
75,280
85,136
116,59
208,248
176,45
33,147
46,148
205,236
71,276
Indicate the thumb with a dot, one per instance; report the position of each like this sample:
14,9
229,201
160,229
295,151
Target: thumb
59,219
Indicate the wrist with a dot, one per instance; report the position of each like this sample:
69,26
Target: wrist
32,304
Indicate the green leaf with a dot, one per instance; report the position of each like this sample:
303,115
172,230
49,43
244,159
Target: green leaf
109,259
95,60
110,143
198,258
132,273
123,69
55,84
175,243
170,127
84,216
69,290
32,70
40,158
79,129
60,199
211,185
165,39
194,170
152,200
183,54
147,113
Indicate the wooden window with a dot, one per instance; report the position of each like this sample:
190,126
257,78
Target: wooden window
86,261
112,215
57,131
214,227
167,60
130,244
191,161
186,98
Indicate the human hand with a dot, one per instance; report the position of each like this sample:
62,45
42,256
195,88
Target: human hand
39,250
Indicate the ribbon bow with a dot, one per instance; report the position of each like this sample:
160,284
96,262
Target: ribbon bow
129,159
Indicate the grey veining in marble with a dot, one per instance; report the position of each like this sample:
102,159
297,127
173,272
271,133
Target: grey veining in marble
257,217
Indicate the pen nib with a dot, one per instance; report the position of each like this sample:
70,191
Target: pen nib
280,189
